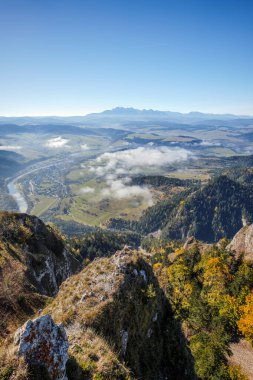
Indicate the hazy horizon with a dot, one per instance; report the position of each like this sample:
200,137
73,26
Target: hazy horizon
101,110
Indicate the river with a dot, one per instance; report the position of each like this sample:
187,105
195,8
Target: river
13,186
17,195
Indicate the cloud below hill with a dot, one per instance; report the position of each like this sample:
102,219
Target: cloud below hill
86,190
56,142
85,147
120,189
138,159
118,166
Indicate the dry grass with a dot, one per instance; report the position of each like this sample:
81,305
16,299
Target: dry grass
93,354
11,366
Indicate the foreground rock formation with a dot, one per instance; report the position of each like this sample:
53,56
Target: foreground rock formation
242,243
118,325
43,343
119,322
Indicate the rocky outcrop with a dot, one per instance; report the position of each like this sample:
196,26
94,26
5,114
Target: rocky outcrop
118,325
44,345
192,242
242,243
119,322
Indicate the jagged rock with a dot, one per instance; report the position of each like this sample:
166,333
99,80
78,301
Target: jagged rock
44,343
242,243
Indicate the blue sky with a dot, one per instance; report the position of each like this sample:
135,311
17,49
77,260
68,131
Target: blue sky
71,57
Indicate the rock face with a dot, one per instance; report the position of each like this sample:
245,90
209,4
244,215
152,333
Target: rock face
38,247
33,262
242,243
43,343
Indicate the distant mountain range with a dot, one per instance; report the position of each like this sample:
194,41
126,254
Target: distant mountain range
166,115
122,114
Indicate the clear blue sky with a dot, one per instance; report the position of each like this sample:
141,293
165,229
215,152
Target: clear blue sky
74,57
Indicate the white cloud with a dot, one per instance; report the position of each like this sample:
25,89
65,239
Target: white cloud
209,143
118,189
139,159
85,147
56,142
86,190
10,147
134,161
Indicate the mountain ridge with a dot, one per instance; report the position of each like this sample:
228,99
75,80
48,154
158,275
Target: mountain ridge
212,212
126,113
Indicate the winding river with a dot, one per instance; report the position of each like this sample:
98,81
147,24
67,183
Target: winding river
14,191
13,186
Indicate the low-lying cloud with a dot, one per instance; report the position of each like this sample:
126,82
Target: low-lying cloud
86,190
85,147
120,189
209,143
136,160
118,166
56,142
10,147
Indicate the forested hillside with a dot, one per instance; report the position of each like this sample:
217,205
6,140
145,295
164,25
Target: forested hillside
218,209
160,181
211,293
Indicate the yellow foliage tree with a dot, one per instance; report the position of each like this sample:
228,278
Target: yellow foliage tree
179,251
236,373
245,323
179,276
157,267
229,308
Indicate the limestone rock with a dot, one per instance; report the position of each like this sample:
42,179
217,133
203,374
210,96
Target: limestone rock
44,343
192,242
242,243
